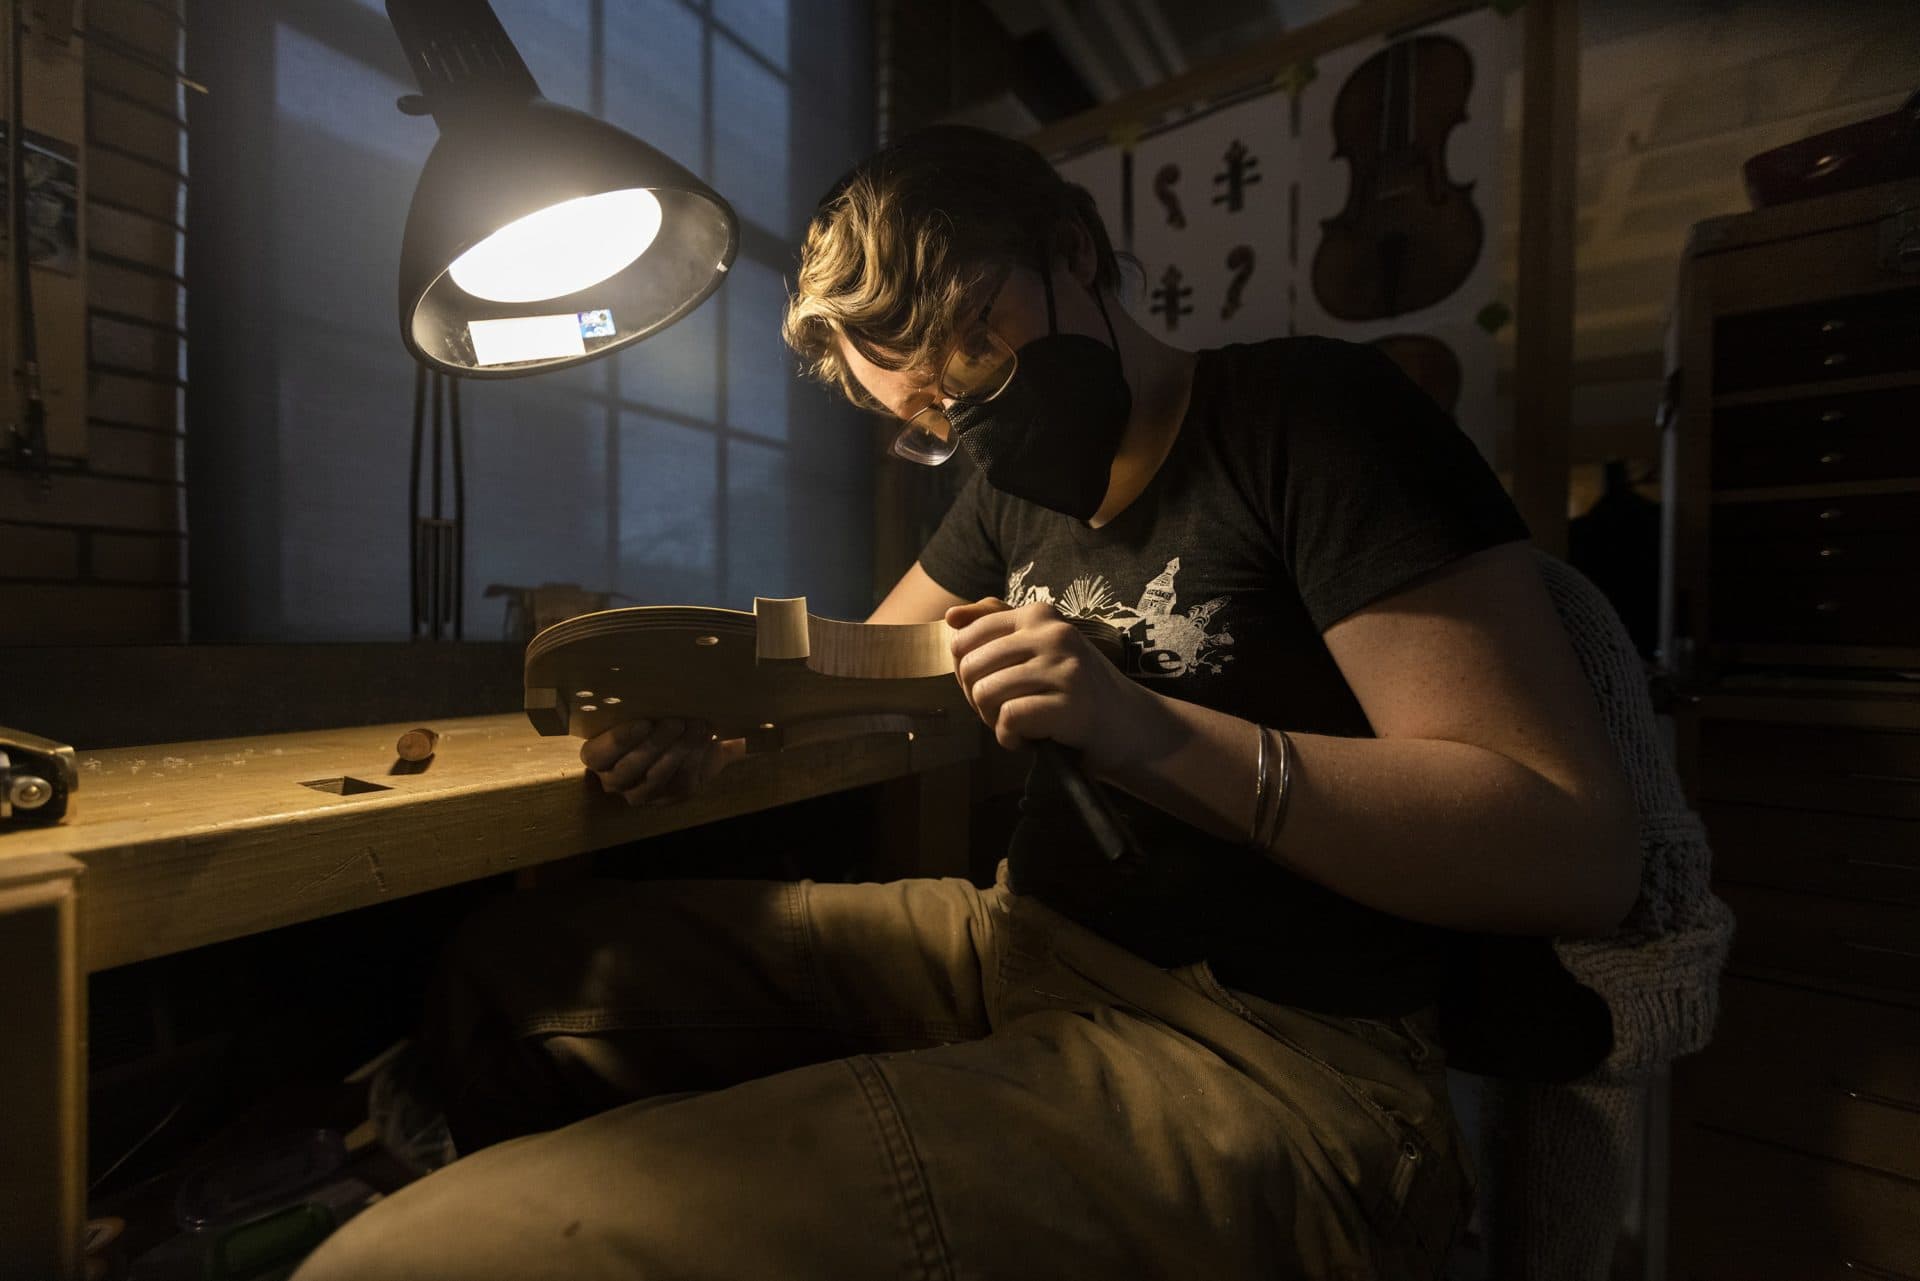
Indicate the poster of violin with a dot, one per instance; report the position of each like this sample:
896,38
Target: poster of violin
1399,169
1202,204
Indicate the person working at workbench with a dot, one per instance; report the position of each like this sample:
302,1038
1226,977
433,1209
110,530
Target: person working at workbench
1346,727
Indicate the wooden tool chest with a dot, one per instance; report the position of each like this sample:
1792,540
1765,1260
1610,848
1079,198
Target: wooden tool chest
1791,622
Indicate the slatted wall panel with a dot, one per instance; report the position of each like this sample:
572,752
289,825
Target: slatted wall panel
96,552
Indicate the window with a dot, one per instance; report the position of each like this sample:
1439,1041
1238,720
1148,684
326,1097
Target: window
694,468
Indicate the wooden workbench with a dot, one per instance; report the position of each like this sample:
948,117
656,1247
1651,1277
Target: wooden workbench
174,846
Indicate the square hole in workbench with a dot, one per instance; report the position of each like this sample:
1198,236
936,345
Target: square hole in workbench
345,786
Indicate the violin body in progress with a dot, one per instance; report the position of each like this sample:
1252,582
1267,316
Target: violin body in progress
1409,235
775,676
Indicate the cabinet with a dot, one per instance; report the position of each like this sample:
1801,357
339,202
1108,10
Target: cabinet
1791,625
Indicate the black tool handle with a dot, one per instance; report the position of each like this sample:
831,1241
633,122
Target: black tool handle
1103,822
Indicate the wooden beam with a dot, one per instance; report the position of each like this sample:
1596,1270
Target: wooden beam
1241,69
1543,342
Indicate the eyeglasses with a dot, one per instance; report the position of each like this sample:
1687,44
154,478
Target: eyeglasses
978,368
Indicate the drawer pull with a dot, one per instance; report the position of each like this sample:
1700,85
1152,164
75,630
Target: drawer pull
1825,167
1828,553
1878,1100
1877,1273
1833,360
1830,513
1832,457
1832,416
1828,607
1858,945
1833,326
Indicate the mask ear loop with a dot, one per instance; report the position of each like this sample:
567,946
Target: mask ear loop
1101,303
1046,283
1053,324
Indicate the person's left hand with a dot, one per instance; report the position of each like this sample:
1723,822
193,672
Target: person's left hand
1031,676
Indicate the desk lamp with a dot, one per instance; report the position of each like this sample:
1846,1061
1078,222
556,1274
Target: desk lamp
539,237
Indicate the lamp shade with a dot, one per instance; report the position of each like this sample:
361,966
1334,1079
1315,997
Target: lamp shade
539,236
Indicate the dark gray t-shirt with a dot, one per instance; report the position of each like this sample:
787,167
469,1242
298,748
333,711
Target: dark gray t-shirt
1310,478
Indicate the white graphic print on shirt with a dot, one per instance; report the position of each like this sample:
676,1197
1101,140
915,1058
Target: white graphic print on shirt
1157,641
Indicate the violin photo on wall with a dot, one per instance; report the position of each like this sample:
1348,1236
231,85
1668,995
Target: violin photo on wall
1409,233
1400,164
1401,187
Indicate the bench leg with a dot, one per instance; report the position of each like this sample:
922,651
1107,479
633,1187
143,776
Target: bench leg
42,1068
921,822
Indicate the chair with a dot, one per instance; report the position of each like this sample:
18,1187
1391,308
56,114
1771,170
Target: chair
1564,1156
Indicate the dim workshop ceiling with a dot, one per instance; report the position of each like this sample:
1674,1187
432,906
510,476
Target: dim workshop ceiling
1674,95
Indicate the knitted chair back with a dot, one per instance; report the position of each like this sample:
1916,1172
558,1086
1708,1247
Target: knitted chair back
1659,973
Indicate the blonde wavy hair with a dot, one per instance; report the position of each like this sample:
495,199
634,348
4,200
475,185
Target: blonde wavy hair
907,244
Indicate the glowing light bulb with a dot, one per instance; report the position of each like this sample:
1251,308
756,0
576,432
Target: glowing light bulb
561,249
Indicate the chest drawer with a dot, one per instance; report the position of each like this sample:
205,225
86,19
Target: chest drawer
1832,607
1749,1211
1822,553
1850,855
1826,1074
1815,518
1862,436
1811,767
1873,944
1873,333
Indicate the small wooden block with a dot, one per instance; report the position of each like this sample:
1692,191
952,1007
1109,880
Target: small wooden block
416,744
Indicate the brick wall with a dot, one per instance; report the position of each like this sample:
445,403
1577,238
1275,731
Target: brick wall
96,553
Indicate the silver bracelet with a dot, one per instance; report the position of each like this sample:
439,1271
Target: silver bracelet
1277,814
1259,785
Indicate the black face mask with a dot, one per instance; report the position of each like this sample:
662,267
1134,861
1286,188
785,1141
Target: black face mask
1051,435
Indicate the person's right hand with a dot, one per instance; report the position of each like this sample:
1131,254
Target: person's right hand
652,761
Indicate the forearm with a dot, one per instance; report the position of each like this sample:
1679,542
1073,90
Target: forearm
1436,831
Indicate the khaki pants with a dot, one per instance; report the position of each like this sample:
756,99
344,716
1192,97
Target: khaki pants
920,1079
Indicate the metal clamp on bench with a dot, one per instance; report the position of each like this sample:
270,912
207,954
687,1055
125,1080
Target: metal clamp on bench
37,778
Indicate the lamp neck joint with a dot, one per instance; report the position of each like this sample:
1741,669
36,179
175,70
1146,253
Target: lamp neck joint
461,55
